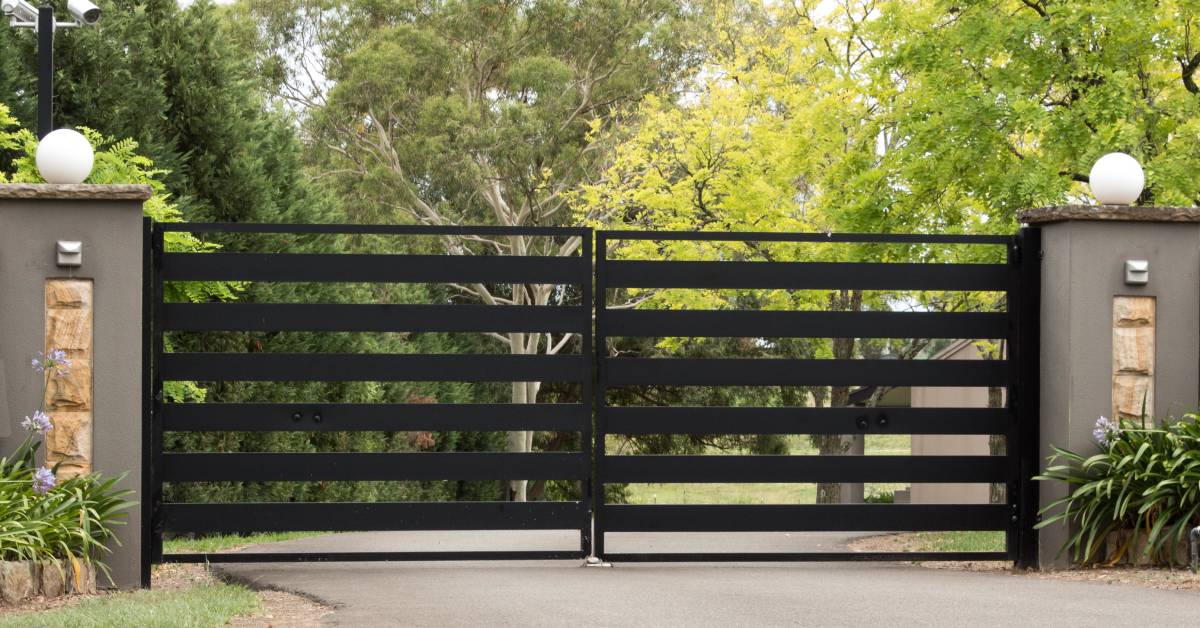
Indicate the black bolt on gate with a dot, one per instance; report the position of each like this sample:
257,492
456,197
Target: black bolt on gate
162,415
1016,372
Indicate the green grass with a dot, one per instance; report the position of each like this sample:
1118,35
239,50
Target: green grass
991,541
767,493
199,606
210,544
749,493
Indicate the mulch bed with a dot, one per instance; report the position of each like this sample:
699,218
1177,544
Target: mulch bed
1173,579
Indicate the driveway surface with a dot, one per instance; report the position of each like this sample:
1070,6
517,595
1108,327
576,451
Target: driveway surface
563,593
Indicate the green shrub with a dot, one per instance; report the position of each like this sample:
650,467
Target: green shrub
879,496
1145,480
44,519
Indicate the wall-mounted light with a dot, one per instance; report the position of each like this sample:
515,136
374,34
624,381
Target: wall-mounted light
70,253
1137,272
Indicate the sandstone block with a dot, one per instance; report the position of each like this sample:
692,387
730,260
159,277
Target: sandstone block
70,330
73,391
53,578
16,580
1133,311
1133,350
83,579
68,293
70,442
1128,393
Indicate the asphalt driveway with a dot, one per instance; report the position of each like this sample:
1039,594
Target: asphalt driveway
563,593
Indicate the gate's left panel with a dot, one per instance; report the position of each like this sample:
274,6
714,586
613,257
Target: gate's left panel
347,378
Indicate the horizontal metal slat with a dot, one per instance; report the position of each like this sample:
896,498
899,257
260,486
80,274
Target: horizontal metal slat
365,517
353,267
805,518
373,317
334,228
807,275
807,557
769,372
748,420
358,557
776,468
777,236
309,467
265,417
785,324
343,367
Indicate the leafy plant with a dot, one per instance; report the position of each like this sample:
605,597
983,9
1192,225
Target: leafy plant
876,495
43,519
1145,480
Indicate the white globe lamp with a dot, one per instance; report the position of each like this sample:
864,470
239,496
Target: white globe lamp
64,156
1117,179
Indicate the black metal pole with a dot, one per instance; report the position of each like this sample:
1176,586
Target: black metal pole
148,457
1029,419
45,31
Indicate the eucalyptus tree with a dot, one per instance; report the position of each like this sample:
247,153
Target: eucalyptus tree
469,111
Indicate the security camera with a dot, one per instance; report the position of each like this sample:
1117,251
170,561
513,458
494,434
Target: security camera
19,10
83,11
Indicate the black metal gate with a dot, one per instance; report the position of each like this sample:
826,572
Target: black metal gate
595,373
1017,279
173,318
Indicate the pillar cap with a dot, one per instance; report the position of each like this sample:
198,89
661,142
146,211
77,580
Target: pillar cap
1108,213
76,191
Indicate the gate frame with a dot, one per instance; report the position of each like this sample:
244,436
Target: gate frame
1024,260
1023,298
153,402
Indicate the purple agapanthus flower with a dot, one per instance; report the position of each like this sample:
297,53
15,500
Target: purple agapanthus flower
39,422
1104,431
54,360
43,481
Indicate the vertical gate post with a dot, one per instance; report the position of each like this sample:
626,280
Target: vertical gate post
1108,340
147,521
601,303
585,394
1026,360
71,276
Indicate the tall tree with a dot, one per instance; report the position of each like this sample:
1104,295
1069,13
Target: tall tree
785,133
470,111
1004,105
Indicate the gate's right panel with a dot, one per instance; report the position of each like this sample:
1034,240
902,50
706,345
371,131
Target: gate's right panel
768,396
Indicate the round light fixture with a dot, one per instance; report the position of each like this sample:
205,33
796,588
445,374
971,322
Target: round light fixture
64,156
1117,179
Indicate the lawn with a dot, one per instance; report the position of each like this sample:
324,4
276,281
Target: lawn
962,541
202,605
767,493
175,601
209,544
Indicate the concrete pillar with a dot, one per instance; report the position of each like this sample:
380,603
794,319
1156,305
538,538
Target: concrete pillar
95,311
1097,352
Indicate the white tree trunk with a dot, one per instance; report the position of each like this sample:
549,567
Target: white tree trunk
525,392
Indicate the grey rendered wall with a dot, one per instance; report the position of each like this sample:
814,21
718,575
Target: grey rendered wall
1082,270
950,444
108,220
